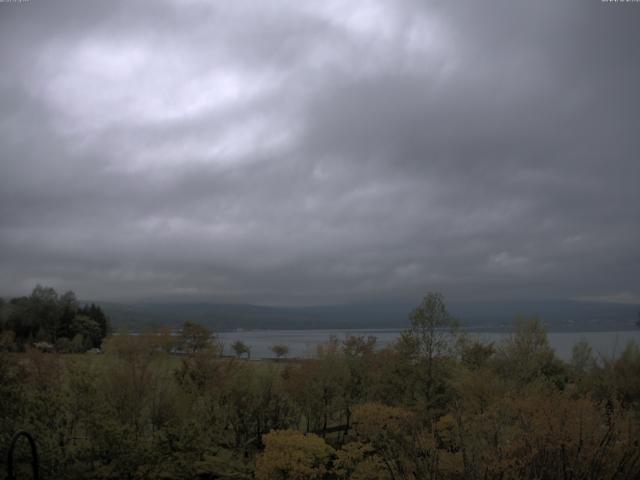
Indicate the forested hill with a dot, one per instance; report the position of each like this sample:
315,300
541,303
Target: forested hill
557,315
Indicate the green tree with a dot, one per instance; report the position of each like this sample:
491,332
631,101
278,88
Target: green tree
195,337
94,312
358,353
474,354
428,340
240,348
44,316
526,354
87,328
44,307
280,350
359,346
582,359
625,374
69,309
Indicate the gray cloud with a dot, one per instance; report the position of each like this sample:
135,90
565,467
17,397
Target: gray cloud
285,152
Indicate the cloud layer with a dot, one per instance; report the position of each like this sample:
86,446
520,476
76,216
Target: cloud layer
318,152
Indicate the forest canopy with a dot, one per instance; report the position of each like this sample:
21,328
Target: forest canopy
437,403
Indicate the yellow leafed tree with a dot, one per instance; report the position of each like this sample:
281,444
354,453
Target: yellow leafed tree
292,455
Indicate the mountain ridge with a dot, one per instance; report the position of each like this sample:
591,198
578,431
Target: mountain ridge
557,315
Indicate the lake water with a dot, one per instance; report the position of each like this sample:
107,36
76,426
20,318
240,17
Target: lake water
303,343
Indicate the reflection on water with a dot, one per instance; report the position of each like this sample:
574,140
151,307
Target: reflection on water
303,343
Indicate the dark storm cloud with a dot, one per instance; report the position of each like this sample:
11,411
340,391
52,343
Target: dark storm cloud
286,152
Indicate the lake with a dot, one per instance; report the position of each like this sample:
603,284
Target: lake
303,343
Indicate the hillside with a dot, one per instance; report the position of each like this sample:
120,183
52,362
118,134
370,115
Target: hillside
556,315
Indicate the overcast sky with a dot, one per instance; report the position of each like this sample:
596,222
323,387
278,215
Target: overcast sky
298,152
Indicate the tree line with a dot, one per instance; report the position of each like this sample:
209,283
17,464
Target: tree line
52,322
435,404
